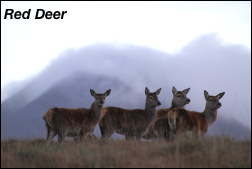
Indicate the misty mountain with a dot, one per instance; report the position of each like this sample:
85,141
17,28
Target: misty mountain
129,63
216,68
204,64
71,92
230,127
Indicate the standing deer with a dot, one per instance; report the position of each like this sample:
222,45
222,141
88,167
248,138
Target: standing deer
74,122
172,122
198,122
164,128
131,123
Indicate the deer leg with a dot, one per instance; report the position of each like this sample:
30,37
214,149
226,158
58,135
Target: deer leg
83,134
107,133
61,137
50,135
129,136
138,137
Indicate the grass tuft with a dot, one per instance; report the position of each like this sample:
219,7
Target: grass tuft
204,152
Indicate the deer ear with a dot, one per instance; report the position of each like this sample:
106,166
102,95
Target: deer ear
107,92
186,90
174,90
92,92
206,94
158,91
147,92
220,95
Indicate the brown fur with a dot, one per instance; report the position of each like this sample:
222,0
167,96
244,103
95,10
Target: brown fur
63,119
131,123
191,121
74,122
160,127
127,122
163,128
198,122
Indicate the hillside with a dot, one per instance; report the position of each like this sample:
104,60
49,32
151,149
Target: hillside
72,92
210,152
204,64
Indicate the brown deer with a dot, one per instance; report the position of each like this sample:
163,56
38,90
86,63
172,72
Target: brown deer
163,128
172,122
131,123
198,122
74,122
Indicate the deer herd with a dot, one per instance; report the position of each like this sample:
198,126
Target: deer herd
148,123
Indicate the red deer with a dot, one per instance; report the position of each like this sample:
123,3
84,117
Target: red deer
172,121
131,123
74,122
164,128
198,122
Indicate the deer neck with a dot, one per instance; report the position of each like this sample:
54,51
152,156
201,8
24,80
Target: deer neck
150,111
174,105
95,111
210,115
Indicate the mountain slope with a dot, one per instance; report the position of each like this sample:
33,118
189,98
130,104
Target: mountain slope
71,92
205,64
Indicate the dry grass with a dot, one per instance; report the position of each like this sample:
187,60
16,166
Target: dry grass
205,152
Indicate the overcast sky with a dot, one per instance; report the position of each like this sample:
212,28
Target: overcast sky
27,46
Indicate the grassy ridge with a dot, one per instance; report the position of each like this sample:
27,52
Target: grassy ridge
204,152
